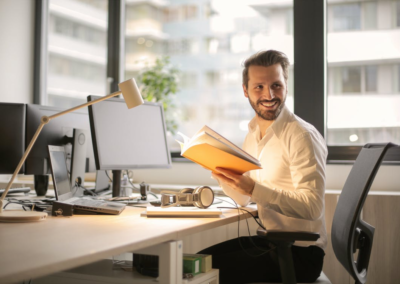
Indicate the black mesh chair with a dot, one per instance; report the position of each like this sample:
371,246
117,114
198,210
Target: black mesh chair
349,232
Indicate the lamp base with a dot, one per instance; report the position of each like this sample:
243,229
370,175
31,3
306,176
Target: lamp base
14,216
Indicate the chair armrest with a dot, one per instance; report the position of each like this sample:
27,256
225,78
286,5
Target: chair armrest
276,235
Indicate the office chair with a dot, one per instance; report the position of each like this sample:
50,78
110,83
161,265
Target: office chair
349,232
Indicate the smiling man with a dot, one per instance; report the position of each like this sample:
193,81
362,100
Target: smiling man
289,189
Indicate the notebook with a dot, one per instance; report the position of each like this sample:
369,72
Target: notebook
63,190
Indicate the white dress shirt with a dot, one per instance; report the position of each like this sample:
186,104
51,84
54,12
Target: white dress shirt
290,187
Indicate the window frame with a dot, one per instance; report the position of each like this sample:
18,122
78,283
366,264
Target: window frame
115,48
310,27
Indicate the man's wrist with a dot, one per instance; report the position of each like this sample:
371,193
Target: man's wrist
252,189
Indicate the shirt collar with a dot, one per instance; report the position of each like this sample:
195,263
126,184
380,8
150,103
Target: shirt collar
278,126
281,122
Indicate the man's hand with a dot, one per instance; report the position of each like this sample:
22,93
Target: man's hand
239,182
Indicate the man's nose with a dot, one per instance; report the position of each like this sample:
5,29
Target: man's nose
269,94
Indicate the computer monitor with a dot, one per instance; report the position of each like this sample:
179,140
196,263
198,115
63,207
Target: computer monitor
12,142
57,132
128,138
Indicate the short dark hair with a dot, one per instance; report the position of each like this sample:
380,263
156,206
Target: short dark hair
266,58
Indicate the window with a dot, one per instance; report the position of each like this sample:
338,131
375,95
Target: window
369,15
371,79
180,13
213,39
188,80
397,11
218,45
213,78
351,79
363,95
346,17
209,41
397,80
77,51
181,46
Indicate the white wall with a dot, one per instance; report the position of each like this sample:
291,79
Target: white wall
16,85
16,50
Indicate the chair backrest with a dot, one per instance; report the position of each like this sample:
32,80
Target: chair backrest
349,232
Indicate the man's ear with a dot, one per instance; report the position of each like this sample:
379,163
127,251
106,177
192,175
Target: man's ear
245,91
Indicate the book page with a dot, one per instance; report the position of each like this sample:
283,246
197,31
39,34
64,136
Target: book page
211,157
206,138
229,143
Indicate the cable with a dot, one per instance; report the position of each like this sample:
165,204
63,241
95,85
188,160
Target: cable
16,202
149,192
110,179
248,229
254,217
129,180
153,194
77,186
88,191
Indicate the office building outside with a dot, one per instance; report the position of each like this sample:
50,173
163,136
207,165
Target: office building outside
208,40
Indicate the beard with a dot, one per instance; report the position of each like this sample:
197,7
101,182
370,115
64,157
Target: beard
267,114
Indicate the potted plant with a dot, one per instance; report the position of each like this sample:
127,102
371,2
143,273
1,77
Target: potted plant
159,83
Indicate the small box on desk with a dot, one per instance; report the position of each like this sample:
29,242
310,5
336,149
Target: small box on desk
206,261
191,265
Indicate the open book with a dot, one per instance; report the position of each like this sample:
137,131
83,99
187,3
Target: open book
210,150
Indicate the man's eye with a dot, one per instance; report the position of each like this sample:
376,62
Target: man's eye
275,86
259,87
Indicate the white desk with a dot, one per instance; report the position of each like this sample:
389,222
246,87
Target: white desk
32,250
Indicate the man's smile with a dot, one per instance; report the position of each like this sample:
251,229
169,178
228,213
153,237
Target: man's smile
269,105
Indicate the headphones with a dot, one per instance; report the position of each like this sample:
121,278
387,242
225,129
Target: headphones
201,197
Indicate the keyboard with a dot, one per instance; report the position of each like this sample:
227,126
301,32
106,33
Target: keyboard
15,190
87,202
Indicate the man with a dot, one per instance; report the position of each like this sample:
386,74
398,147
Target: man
288,190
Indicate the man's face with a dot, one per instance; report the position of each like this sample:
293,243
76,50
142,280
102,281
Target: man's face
266,90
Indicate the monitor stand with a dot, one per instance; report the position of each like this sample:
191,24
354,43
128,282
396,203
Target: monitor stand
116,183
78,159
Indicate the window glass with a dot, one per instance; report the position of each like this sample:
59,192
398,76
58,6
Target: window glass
397,79
351,79
397,9
363,94
371,79
77,51
346,17
207,41
370,15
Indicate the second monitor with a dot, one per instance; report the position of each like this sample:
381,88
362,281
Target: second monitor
128,138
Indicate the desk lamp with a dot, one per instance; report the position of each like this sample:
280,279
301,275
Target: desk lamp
132,97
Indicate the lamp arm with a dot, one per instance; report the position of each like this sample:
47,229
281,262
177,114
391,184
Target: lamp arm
85,105
44,120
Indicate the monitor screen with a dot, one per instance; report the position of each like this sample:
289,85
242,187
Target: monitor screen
128,138
53,133
59,171
12,142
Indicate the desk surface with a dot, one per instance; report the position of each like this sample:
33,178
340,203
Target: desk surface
31,250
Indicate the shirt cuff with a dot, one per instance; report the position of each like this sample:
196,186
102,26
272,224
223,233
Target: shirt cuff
263,194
